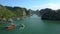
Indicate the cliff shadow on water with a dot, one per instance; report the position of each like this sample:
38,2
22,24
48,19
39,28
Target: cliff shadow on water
51,21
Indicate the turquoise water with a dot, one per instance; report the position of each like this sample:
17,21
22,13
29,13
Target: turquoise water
33,25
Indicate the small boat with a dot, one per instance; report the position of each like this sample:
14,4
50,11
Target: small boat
10,20
21,26
4,20
18,18
11,26
14,18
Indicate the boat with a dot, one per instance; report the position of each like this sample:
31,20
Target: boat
18,18
14,18
4,20
11,26
10,20
21,26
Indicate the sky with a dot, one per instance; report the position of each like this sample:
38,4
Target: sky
32,4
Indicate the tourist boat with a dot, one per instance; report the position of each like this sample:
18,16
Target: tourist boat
4,20
14,18
10,20
21,26
11,26
18,18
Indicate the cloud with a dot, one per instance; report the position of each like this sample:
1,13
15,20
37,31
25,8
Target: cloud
48,5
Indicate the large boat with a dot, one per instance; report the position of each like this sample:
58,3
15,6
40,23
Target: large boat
11,26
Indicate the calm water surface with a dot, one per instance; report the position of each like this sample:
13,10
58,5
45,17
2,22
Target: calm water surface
33,25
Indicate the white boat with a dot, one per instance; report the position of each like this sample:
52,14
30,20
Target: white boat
22,26
10,20
4,20
18,18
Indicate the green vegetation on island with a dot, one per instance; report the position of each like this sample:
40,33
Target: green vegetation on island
9,12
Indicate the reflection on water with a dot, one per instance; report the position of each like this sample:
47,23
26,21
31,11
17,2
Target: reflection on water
33,25
51,21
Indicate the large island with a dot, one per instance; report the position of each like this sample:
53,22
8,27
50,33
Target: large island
9,12
49,14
